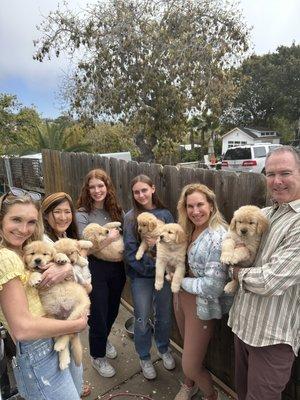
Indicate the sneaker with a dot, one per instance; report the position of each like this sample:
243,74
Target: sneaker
148,369
168,360
111,351
186,393
103,367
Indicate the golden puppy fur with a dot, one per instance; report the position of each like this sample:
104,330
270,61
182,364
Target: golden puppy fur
97,233
65,300
171,252
241,243
150,226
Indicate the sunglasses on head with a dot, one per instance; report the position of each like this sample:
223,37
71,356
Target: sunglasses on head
18,192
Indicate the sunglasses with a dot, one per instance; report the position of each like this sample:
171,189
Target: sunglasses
18,192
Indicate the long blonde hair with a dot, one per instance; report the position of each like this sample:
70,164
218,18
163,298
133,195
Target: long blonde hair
9,200
216,219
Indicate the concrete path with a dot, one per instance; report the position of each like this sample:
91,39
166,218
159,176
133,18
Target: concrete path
129,379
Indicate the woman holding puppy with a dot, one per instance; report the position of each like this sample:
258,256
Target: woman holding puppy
58,213
36,365
199,304
98,203
147,301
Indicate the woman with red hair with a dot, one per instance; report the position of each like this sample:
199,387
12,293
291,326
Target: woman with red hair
98,203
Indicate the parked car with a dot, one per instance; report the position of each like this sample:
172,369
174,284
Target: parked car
247,158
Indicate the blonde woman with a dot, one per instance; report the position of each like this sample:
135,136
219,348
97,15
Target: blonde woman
198,305
36,368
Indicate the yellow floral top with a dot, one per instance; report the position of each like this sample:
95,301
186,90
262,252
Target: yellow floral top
11,266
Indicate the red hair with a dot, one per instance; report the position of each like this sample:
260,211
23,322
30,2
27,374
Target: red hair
111,205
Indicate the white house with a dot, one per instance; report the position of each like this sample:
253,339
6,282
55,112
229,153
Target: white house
240,136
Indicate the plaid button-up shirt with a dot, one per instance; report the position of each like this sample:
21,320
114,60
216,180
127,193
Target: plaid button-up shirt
266,308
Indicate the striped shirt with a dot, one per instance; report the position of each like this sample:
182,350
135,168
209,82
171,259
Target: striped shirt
266,308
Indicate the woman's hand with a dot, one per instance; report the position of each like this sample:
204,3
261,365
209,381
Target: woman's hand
82,322
235,273
113,235
151,241
55,274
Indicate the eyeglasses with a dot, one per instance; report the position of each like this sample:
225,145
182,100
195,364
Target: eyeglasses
18,192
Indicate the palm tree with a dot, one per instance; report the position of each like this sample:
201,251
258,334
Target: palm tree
52,135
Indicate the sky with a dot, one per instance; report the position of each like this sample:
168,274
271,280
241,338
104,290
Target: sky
274,23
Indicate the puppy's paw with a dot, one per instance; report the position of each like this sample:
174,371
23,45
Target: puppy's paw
64,360
226,258
138,255
61,259
175,287
231,287
158,285
35,279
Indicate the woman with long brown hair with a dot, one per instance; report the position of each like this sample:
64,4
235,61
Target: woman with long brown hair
98,203
147,301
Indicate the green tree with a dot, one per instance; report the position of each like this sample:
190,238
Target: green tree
108,138
16,122
148,63
52,135
270,95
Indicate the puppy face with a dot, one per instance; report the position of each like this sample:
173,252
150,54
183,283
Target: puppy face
38,254
172,233
146,223
69,247
95,233
249,221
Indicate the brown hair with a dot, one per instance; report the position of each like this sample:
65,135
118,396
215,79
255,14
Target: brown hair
216,218
155,198
111,205
48,205
7,201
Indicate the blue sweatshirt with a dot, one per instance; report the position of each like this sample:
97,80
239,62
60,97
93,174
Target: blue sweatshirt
146,266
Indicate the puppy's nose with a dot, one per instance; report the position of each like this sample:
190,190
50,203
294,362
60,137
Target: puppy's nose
38,261
161,236
244,231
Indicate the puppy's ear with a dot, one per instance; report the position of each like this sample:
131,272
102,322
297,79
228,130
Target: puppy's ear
262,224
180,236
232,225
152,225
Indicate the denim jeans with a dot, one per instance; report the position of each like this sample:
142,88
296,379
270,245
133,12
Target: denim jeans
149,302
38,375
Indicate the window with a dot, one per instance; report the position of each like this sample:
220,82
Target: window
259,152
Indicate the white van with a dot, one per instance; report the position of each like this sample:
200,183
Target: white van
247,158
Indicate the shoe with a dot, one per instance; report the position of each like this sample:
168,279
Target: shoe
103,367
111,351
148,369
215,398
168,360
86,390
186,393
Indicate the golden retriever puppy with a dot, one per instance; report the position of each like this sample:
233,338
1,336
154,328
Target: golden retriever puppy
65,300
97,233
241,243
170,257
72,248
148,226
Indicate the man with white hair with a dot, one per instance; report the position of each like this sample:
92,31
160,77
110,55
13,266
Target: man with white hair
265,316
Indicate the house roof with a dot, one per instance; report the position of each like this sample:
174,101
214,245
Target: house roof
252,132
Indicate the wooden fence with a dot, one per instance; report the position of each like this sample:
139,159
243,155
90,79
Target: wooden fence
65,172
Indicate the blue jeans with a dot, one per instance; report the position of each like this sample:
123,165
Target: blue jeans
149,302
38,375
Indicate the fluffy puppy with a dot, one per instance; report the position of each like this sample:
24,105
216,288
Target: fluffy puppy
72,248
97,233
241,243
148,226
65,300
170,257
